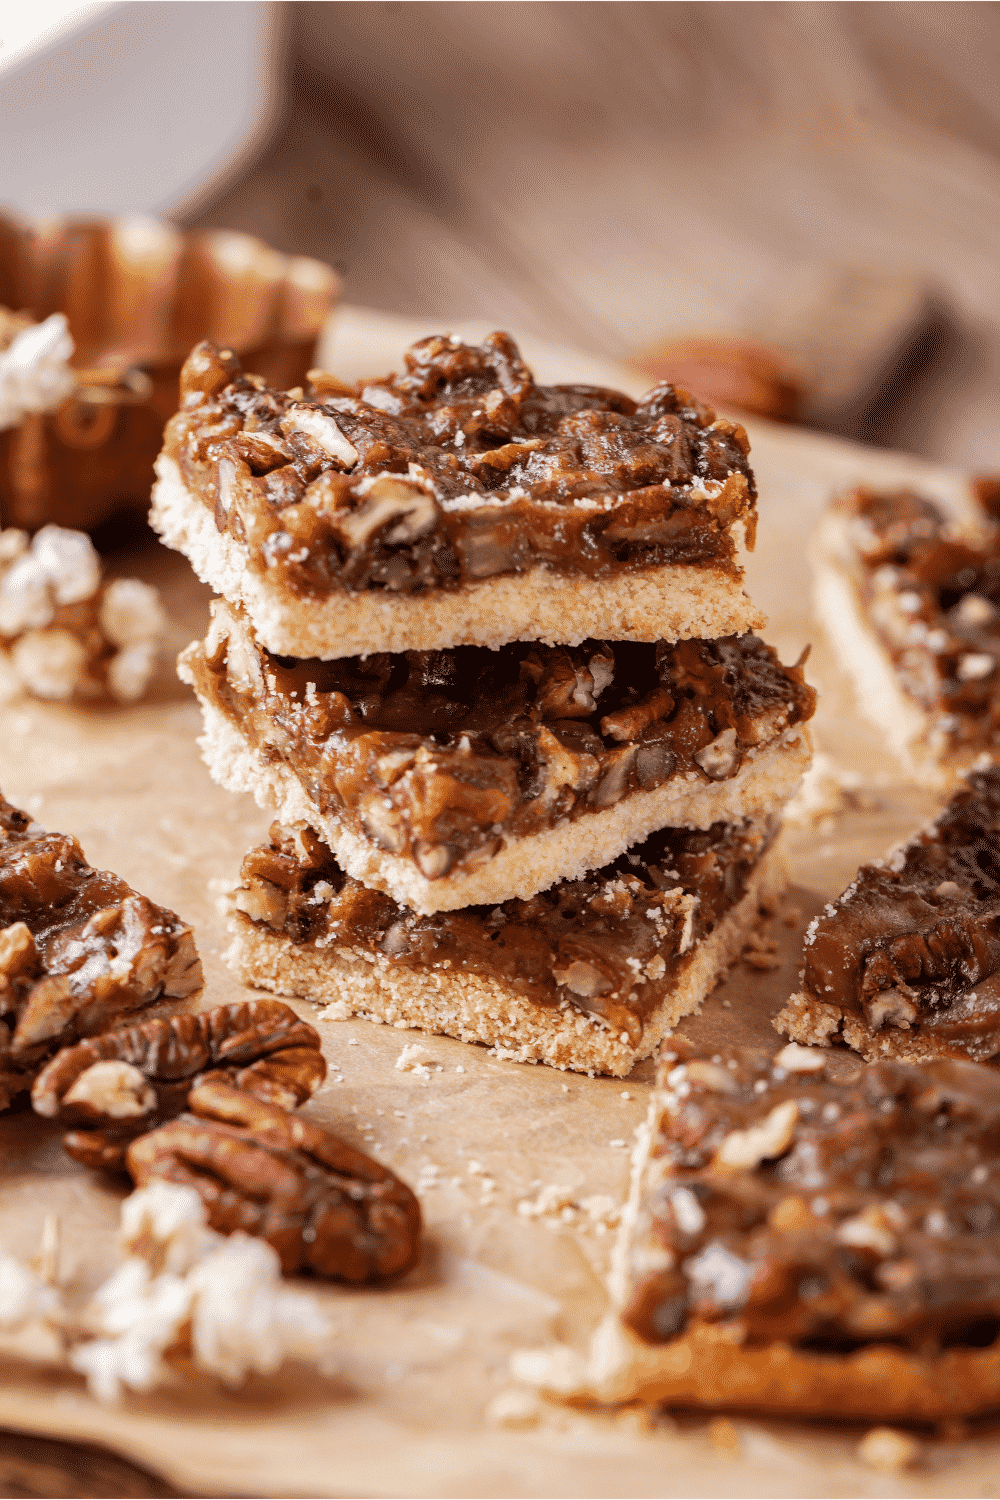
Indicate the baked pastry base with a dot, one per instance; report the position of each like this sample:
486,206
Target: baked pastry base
670,602
765,781
708,1369
816,1023
476,1008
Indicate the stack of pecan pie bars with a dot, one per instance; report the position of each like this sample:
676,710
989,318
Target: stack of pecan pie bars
483,646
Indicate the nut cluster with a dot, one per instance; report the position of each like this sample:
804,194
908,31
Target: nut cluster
114,1087
204,1100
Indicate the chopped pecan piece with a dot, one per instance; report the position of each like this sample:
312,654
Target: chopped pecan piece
79,950
320,1204
124,1083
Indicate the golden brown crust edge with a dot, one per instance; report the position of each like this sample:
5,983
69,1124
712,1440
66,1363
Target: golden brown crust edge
817,1023
709,1369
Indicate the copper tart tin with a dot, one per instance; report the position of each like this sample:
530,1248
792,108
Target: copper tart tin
138,294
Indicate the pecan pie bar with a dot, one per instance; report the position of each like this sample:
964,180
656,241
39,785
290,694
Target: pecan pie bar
453,777
79,950
911,605
906,962
798,1244
458,503
588,975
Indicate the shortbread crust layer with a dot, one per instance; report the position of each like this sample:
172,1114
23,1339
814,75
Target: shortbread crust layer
458,503
786,1249
589,976
451,779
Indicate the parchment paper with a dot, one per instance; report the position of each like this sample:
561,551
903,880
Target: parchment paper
419,1364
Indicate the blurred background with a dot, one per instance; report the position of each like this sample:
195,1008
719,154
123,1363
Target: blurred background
818,180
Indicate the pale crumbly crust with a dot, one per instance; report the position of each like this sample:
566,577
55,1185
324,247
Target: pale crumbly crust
670,602
709,1366
767,778
476,1008
907,726
818,1023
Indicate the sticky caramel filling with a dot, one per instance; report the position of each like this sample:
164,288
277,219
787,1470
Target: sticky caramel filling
828,1215
462,468
611,944
441,755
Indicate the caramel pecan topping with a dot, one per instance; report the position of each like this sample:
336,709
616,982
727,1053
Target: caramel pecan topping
460,468
125,1082
783,1205
79,950
323,1206
913,944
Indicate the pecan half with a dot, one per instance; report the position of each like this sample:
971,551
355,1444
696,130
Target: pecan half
121,1084
320,1204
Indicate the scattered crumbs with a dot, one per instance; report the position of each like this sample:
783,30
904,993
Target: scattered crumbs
400,1114
424,1139
889,1451
352,1041
413,1059
602,1211
557,1206
626,1094
337,1010
564,1087
515,1408
550,1203
618,1143
724,1437
475,1169
459,1068
727,1005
